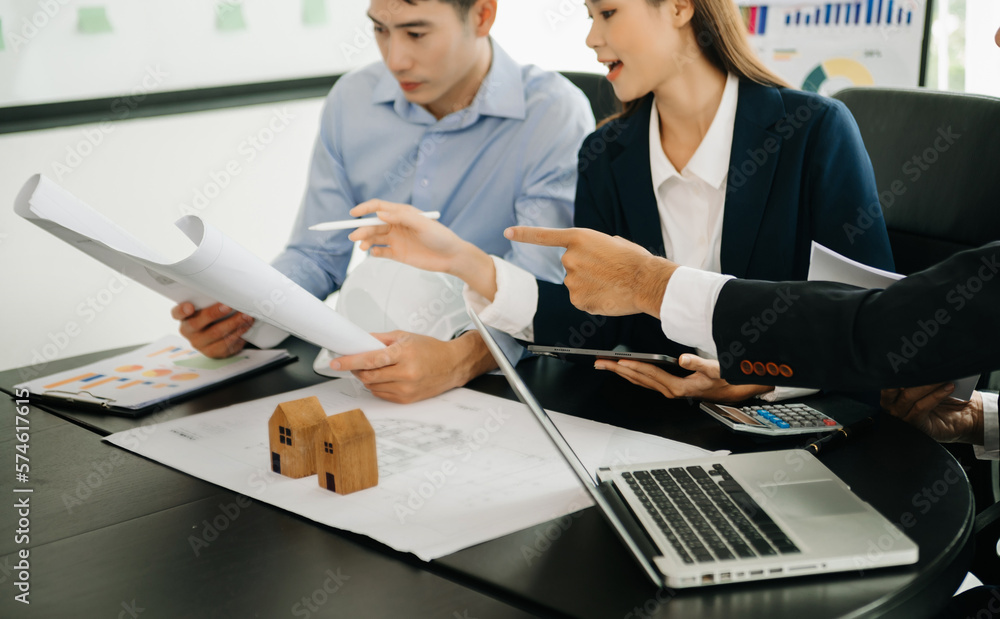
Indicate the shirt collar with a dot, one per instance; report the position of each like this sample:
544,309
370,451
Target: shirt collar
711,161
501,94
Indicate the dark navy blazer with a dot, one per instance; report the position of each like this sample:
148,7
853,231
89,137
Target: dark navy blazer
798,172
935,325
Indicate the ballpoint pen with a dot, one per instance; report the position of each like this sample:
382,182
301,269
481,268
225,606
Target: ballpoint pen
837,437
349,224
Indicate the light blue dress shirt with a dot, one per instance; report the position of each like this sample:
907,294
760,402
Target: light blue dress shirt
508,158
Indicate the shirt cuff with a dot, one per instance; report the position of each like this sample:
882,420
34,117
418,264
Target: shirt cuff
991,429
688,306
513,308
786,393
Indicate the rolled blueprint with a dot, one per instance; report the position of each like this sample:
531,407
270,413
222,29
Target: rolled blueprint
218,270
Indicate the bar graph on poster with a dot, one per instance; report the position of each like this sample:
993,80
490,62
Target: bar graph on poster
826,47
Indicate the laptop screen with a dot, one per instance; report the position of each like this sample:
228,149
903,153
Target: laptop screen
588,481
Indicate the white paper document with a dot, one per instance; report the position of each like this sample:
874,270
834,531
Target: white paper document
828,266
454,471
218,269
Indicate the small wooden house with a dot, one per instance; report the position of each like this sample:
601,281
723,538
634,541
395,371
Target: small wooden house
345,453
292,435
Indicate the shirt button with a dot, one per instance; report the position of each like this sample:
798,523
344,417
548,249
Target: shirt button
425,183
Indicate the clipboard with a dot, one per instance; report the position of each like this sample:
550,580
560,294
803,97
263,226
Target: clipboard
150,378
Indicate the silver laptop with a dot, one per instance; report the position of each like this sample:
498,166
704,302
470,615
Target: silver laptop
722,519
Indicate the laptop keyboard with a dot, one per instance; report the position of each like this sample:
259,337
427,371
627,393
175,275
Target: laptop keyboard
706,515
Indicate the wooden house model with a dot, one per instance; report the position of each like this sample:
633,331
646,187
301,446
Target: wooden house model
345,453
292,432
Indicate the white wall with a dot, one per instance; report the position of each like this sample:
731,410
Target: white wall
139,175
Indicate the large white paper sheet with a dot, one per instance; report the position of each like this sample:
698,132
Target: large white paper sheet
454,471
828,266
218,269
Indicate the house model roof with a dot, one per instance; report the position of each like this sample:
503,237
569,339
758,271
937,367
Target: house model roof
346,426
302,413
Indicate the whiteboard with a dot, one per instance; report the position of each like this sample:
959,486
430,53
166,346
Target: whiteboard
66,50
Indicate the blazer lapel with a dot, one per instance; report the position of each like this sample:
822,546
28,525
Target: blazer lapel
635,182
751,170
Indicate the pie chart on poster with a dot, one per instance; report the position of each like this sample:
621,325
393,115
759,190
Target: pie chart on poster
836,74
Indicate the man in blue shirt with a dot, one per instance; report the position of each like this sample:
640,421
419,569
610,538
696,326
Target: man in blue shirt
448,122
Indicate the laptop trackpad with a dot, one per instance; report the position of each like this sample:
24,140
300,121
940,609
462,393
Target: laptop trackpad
810,499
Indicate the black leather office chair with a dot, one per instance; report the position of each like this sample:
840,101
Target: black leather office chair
936,158
598,89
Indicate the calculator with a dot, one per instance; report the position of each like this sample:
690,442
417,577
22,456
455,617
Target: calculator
772,419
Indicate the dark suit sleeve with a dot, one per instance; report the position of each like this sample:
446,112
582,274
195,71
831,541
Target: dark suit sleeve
557,322
936,325
845,214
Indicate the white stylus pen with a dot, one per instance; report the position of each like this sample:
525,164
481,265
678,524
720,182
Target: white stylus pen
348,224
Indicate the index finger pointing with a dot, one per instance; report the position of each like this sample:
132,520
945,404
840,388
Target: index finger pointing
552,237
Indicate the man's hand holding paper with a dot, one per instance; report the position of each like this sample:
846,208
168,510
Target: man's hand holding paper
215,331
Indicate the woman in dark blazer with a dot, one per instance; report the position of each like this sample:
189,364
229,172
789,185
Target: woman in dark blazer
798,173
781,168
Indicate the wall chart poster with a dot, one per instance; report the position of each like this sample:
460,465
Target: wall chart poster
827,47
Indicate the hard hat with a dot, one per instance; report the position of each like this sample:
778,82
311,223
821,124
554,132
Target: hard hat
382,295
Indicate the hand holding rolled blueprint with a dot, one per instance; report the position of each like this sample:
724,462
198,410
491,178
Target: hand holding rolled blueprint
218,269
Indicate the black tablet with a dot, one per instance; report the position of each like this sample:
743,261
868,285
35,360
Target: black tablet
587,355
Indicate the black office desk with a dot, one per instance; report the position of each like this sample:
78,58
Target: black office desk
130,539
